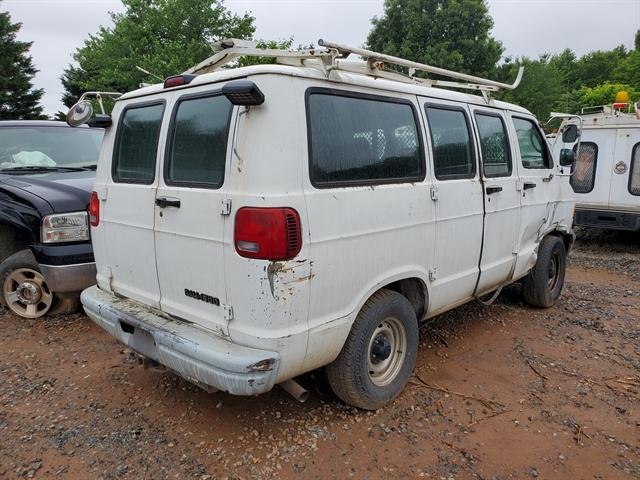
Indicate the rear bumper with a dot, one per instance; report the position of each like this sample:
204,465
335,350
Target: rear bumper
613,220
69,278
193,353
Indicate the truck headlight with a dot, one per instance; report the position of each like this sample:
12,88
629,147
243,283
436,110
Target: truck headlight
65,227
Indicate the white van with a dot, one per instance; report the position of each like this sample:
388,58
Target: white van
253,224
606,178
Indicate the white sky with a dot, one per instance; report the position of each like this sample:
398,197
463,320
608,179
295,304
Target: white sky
525,27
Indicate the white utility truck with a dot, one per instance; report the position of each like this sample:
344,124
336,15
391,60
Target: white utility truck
606,177
252,224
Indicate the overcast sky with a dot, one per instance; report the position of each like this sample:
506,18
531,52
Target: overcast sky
525,27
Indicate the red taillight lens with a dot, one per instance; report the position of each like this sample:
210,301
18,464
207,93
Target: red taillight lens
268,233
178,80
94,210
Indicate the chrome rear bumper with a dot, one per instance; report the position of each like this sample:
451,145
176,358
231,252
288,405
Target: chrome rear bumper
192,352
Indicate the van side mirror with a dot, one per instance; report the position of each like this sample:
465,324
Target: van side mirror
80,113
567,157
570,134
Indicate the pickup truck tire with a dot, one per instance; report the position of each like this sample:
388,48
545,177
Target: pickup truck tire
20,277
378,357
543,285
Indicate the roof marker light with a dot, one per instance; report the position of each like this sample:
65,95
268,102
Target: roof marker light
243,92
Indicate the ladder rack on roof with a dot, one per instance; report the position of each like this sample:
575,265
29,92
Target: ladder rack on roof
333,58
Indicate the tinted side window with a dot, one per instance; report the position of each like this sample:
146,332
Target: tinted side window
452,151
198,146
533,151
137,144
360,141
634,171
494,143
584,174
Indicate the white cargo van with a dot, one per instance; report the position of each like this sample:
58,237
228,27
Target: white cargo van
253,224
606,178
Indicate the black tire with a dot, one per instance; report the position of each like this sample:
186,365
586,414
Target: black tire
66,306
543,284
350,376
25,261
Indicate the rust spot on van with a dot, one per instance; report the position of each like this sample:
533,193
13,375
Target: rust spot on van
282,274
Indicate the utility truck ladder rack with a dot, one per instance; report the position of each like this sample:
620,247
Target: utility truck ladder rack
333,57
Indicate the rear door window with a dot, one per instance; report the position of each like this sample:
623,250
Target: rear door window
634,172
197,148
136,147
583,178
494,144
533,146
362,140
452,150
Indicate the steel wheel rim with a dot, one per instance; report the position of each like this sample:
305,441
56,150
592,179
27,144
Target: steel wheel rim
383,371
554,271
27,294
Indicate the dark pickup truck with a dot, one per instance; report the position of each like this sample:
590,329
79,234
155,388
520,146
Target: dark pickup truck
47,171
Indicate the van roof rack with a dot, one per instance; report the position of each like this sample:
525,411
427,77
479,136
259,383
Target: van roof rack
333,56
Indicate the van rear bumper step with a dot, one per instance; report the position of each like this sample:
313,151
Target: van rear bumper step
611,219
193,353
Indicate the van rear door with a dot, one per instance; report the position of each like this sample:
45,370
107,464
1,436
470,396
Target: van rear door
127,203
190,211
624,192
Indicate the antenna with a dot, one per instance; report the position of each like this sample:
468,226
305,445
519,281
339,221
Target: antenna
149,73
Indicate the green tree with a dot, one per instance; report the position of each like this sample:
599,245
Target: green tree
604,94
542,85
165,37
596,68
451,34
628,70
18,99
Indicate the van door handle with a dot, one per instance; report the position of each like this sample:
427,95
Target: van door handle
529,185
492,190
164,202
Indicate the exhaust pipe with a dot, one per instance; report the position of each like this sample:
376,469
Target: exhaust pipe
294,389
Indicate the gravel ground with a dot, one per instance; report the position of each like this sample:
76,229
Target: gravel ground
499,392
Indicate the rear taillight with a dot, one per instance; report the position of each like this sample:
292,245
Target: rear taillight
94,210
268,233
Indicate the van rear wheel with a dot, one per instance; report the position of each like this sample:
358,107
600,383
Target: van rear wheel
378,357
543,285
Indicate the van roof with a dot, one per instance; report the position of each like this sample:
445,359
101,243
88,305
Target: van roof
335,76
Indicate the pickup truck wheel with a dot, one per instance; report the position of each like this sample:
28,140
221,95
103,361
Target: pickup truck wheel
543,285
24,290
378,357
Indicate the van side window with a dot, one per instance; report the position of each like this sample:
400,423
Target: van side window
494,144
533,149
584,173
198,143
356,140
136,146
452,151
634,171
